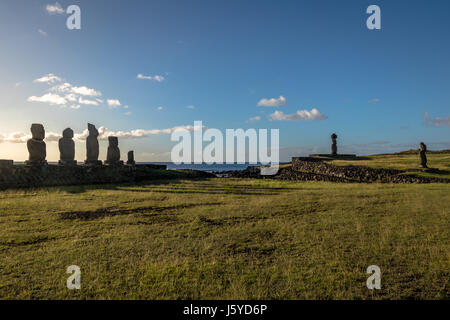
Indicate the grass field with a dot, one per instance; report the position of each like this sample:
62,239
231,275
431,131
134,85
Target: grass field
226,239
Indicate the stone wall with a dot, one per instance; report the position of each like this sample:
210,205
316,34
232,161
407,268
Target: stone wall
315,167
20,176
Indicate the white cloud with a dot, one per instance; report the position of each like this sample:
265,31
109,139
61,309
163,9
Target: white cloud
156,78
71,97
314,114
435,122
54,8
113,103
49,98
374,100
21,137
104,133
49,78
281,101
257,118
65,92
190,107
87,102
83,90
127,113
42,32
160,108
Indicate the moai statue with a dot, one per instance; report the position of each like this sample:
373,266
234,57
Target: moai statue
423,156
113,155
130,160
36,146
334,144
67,148
92,147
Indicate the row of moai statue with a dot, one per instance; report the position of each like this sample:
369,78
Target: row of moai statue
38,152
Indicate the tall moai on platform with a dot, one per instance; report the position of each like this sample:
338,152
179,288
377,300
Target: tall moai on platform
334,144
130,160
92,146
67,148
113,155
423,156
36,146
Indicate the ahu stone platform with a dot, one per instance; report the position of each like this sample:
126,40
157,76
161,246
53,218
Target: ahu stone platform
23,176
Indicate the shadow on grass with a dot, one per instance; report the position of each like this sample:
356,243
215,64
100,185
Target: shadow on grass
179,186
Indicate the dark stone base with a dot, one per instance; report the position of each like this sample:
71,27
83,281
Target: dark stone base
334,156
67,162
93,163
131,163
115,163
25,176
6,163
36,163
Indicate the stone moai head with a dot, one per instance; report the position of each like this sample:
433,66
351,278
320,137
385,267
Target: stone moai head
423,146
130,155
68,133
92,130
37,131
113,141
334,136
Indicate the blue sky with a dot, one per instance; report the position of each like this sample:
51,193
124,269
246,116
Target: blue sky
379,90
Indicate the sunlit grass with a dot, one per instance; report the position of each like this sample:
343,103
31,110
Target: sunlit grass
226,239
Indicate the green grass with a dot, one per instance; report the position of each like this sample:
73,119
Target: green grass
411,162
226,239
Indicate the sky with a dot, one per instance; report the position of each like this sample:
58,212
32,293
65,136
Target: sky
139,69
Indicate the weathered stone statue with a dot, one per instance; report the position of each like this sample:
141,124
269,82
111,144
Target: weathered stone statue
113,155
67,148
334,145
130,160
92,147
423,156
36,146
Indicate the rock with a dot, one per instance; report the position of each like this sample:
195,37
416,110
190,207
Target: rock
423,156
130,160
92,147
36,146
113,155
67,148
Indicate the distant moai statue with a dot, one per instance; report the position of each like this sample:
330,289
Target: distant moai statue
334,144
130,160
92,147
423,156
67,148
36,146
113,155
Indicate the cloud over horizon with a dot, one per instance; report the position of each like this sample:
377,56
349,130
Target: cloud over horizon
104,133
306,115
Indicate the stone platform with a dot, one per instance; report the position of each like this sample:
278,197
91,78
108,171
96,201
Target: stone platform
23,176
334,156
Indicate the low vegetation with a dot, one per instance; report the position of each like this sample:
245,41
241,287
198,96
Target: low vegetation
226,239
